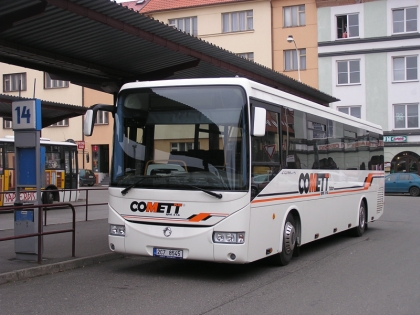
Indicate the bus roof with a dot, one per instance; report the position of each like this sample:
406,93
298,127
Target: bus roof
11,139
268,94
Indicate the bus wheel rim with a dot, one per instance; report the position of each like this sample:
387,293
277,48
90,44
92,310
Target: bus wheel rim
362,217
289,237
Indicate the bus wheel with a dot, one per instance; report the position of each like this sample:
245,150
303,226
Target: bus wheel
47,197
360,228
289,242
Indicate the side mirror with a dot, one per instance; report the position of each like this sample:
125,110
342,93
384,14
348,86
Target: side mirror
88,123
90,117
259,121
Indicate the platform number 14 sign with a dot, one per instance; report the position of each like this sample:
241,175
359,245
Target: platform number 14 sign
26,115
23,113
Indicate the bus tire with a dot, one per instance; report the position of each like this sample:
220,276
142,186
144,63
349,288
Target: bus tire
289,242
47,197
360,228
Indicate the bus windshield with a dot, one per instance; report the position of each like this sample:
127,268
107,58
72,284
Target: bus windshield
181,138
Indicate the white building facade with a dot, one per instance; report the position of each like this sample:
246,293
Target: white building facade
368,58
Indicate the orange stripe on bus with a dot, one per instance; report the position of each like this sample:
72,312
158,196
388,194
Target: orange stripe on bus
199,217
367,183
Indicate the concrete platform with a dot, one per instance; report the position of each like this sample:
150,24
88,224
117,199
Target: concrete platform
91,248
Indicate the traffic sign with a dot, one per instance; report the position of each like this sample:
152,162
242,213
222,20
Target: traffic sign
80,145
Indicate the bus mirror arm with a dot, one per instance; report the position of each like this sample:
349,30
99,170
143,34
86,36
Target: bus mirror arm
90,116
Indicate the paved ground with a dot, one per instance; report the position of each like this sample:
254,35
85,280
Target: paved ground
91,244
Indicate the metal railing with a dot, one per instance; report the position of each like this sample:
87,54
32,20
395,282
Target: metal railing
86,204
45,208
41,233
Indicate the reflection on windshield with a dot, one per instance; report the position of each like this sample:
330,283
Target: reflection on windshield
177,138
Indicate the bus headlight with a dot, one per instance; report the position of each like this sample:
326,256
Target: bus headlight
229,237
118,230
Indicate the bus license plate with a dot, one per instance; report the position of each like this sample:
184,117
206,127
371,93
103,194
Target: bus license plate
168,253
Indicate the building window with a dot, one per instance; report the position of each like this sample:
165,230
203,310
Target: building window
348,72
187,25
294,16
54,84
355,111
63,123
404,20
406,116
183,146
290,59
405,68
249,56
101,118
348,25
7,124
237,21
14,82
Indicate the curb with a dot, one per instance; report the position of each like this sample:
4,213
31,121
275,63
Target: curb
56,267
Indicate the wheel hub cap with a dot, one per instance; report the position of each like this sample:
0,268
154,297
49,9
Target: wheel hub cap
289,238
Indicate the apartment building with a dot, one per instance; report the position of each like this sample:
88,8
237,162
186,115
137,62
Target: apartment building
231,25
254,29
29,83
295,33
368,58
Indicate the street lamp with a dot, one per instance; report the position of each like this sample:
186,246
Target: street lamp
289,40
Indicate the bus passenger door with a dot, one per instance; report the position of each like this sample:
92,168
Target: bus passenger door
71,168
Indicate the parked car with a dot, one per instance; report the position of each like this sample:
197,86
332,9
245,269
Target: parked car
86,177
403,183
259,182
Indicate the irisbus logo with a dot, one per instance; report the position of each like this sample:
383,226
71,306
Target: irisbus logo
157,207
313,182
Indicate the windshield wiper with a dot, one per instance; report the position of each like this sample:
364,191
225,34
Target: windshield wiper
211,193
125,190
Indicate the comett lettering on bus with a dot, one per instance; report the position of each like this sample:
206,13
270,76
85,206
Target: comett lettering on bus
156,207
313,182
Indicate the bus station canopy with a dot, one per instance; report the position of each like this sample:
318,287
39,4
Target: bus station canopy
51,112
101,44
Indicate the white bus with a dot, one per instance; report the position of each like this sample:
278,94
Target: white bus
232,171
